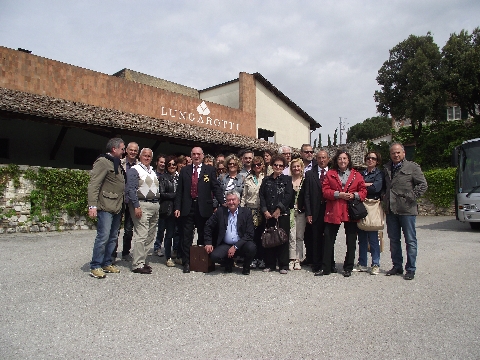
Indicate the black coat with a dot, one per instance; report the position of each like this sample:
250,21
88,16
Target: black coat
208,186
219,221
276,193
313,193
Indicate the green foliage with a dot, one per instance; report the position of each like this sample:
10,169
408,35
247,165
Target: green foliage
383,147
57,190
441,186
411,83
329,140
335,135
370,128
7,173
8,214
461,70
435,144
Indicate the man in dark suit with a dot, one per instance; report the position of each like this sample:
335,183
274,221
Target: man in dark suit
235,234
315,208
197,184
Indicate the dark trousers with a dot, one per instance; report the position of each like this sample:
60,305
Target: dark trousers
331,231
279,253
308,242
191,221
127,233
318,241
248,251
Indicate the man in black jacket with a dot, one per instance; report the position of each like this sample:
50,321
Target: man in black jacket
235,234
197,184
315,208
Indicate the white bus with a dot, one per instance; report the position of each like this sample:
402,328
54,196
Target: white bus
466,158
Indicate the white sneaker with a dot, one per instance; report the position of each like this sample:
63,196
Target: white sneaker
297,265
375,270
359,268
291,264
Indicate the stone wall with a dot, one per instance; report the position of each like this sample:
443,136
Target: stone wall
15,212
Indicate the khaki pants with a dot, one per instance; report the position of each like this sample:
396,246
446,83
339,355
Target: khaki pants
296,236
144,231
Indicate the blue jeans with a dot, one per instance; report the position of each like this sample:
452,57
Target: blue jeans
106,239
170,231
160,234
405,223
365,238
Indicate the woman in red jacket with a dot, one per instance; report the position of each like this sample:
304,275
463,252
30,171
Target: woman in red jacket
341,184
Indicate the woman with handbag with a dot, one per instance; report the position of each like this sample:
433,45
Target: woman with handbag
276,194
297,215
251,200
341,185
373,178
168,186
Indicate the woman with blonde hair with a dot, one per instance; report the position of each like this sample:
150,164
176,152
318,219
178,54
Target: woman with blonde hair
297,215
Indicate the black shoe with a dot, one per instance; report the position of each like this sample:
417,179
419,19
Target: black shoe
186,268
347,273
394,271
305,262
147,267
228,268
334,270
142,270
321,273
246,271
409,275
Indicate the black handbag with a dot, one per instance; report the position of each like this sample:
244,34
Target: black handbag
356,210
274,236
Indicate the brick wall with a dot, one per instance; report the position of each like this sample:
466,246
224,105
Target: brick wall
38,75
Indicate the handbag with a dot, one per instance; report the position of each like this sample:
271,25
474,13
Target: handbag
374,221
356,210
274,236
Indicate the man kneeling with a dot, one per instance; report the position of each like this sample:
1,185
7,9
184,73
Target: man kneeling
235,233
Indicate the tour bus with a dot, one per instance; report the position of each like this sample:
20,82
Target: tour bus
466,158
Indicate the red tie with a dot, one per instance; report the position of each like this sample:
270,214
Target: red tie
322,176
194,188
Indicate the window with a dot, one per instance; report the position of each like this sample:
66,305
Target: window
454,113
266,135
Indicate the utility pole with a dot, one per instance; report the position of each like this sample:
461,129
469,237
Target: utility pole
341,128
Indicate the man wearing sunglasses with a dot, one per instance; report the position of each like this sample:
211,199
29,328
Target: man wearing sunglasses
306,152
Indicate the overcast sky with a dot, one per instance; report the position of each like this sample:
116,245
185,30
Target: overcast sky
324,55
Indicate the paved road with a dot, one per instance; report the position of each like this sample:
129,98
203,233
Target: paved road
51,308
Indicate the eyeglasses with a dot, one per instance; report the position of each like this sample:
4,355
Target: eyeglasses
308,151
258,164
287,154
371,158
172,164
232,164
278,165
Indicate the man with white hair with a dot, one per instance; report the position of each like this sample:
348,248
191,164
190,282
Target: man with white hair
286,151
142,195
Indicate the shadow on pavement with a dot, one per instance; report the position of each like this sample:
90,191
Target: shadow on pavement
447,225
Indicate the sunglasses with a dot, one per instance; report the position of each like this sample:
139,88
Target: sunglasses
308,152
278,165
232,164
258,164
172,164
371,158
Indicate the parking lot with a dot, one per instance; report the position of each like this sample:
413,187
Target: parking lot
52,308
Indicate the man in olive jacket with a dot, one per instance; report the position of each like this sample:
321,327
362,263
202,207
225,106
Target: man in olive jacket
105,199
405,183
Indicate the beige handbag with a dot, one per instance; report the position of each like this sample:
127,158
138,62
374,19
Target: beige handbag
375,220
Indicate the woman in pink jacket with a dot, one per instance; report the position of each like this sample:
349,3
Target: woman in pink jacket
341,184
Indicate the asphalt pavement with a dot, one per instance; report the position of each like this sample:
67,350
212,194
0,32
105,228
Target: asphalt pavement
50,308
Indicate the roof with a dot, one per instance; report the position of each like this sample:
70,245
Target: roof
260,78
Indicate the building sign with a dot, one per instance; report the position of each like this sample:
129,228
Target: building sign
202,117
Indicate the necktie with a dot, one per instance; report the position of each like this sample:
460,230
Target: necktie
194,188
322,176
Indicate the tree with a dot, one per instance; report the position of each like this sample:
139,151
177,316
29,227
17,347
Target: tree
329,140
335,134
370,128
320,140
411,83
461,70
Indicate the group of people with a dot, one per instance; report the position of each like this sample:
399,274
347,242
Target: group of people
229,201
